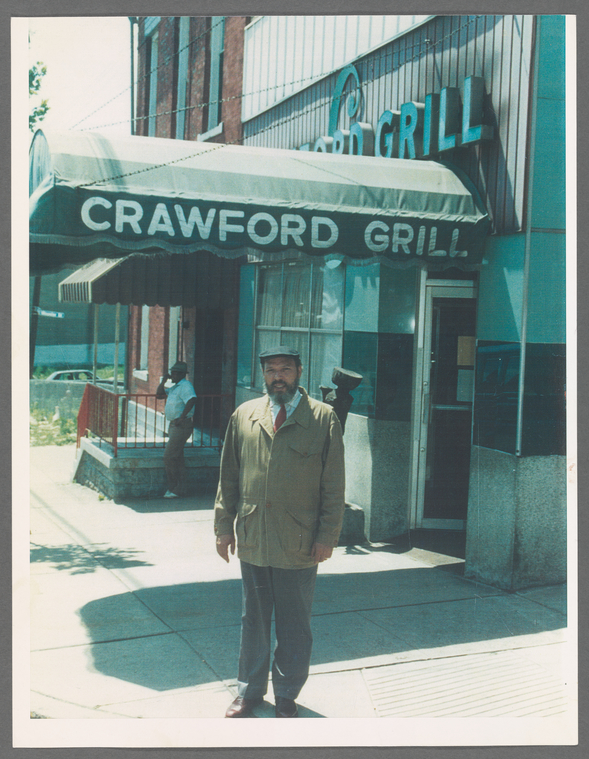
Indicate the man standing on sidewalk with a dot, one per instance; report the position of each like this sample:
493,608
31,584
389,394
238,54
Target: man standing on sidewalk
282,483
180,400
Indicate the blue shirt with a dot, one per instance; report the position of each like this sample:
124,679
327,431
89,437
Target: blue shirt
178,396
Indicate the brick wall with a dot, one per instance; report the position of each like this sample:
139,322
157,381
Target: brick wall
159,333
232,79
198,79
133,344
196,344
157,354
166,77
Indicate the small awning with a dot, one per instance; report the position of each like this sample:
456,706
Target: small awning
192,279
93,196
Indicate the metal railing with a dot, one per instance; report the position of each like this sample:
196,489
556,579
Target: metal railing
136,420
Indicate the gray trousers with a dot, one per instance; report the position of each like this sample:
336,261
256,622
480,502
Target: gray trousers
289,593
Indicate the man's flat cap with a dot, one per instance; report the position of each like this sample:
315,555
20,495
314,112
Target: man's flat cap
180,366
279,350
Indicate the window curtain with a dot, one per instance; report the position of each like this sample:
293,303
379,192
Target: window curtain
295,303
327,300
269,297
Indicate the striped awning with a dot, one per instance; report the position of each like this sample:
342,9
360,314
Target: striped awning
193,279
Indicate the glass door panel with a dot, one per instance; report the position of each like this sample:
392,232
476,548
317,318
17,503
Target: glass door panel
446,406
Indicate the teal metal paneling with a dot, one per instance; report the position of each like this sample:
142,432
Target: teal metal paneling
362,297
548,200
548,193
551,62
547,289
501,289
546,313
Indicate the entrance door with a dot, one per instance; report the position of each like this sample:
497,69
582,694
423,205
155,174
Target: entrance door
444,423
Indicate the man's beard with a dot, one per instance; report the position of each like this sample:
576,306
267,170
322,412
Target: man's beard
285,393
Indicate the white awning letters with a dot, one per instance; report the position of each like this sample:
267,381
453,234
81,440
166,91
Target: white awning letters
324,231
403,240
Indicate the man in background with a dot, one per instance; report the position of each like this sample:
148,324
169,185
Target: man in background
180,400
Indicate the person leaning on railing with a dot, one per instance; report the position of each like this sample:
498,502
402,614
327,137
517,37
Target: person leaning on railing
180,400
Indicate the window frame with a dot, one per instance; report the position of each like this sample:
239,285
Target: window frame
216,61
182,63
307,331
142,370
174,334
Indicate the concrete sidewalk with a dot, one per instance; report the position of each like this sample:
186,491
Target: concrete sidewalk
135,616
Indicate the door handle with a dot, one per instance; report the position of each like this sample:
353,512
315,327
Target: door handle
426,408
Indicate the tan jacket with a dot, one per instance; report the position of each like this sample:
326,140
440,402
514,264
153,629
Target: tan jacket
286,489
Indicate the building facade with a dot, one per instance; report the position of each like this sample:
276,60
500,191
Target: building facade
459,421
188,87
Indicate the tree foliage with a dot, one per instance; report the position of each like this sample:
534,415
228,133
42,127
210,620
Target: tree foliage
39,111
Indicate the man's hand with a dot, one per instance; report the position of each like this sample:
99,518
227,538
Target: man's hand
321,552
160,392
224,543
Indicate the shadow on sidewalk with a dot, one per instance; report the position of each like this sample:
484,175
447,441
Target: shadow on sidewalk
198,501
356,615
79,559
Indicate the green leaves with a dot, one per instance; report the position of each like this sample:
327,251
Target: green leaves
39,111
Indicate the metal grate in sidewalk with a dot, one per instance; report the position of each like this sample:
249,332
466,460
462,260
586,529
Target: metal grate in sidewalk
500,684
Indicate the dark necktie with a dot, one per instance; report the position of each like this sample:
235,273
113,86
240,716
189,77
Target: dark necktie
280,417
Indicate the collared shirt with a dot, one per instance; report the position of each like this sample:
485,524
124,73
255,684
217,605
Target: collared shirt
178,396
290,406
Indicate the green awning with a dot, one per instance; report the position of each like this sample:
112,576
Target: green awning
93,196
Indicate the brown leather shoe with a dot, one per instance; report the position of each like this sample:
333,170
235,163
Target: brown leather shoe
242,707
285,707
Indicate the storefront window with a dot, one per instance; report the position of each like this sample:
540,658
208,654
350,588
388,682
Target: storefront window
301,305
269,285
296,296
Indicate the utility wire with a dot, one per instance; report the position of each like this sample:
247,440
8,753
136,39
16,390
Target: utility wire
151,71
430,46
382,59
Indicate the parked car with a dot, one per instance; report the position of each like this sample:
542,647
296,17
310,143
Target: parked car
77,375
